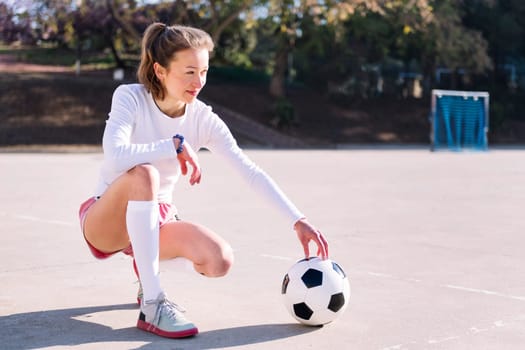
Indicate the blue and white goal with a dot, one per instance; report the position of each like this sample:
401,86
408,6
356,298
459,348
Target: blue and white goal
460,120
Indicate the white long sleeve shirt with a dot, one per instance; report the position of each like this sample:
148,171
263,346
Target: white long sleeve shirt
138,132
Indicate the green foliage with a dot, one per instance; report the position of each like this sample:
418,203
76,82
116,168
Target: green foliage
501,23
56,56
235,45
335,45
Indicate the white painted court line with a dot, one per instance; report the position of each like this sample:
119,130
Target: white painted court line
415,280
389,276
448,286
276,257
37,219
33,218
483,291
442,340
431,341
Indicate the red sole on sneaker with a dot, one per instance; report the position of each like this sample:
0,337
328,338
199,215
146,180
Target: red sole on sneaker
152,329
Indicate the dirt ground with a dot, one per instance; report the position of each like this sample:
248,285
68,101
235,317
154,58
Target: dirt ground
51,105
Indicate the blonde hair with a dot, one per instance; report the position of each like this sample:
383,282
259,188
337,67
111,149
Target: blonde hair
160,44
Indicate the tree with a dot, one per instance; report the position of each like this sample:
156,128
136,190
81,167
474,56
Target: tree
8,28
291,15
92,23
429,32
222,14
54,20
457,46
212,16
15,25
501,24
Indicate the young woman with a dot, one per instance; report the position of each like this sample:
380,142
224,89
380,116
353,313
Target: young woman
150,139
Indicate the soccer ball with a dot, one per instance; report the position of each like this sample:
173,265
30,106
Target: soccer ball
315,291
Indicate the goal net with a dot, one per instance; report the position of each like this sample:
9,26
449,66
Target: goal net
459,120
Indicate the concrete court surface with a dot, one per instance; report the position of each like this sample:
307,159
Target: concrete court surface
433,244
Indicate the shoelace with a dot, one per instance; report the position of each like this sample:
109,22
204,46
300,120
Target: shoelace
169,307
172,306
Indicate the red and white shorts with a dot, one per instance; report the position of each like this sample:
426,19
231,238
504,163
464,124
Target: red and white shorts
167,213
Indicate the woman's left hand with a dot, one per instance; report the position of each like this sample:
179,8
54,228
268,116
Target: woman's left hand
188,156
306,232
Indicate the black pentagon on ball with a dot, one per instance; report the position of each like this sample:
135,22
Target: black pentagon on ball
302,310
337,301
312,278
284,286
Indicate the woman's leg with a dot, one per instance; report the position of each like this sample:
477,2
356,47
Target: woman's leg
211,255
128,210
105,223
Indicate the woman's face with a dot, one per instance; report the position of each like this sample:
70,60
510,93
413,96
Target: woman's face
186,75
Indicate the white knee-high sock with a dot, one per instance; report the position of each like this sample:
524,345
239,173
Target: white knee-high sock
142,220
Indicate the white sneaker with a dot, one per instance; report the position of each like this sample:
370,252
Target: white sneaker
164,318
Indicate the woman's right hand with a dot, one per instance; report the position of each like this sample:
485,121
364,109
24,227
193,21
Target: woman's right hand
188,155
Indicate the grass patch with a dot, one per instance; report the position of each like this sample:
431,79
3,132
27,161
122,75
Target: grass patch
56,56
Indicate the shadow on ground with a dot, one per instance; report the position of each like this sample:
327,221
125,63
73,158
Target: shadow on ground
35,330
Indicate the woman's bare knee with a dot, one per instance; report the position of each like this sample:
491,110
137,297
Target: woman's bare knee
145,182
218,265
